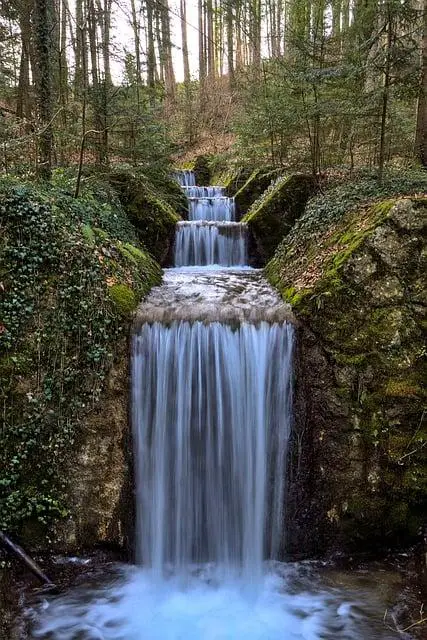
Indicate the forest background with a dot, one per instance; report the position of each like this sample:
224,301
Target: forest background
306,84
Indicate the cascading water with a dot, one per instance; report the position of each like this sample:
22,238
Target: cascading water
211,236
186,178
211,414
212,205
211,420
211,409
209,243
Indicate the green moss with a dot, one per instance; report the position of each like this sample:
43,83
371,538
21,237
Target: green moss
201,165
137,256
321,259
202,169
123,298
333,269
256,183
153,218
356,360
272,216
88,234
64,317
402,389
100,234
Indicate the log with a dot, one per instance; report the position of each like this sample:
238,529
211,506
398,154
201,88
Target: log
16,550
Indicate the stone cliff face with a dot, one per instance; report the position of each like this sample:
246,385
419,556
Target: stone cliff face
100,478
358,469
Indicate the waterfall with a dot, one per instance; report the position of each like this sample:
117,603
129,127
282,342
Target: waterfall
211,411
208,243
211,416
186,178
211,236
204,192
211,207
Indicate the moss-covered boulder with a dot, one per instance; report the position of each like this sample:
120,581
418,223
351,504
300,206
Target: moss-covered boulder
251,188
153,217
232,179
68,288
272,216
355,280
171,193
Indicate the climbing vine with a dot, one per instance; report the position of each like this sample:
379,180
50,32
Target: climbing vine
59,322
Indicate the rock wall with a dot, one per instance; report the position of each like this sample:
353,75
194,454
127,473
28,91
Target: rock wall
253,187
100,477
358,465
153,217
67,295
272,216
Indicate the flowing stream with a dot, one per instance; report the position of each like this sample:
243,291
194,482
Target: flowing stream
212,416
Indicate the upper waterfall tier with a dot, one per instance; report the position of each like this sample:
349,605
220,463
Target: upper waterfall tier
204,192
228,296
212,208
185,178
207,243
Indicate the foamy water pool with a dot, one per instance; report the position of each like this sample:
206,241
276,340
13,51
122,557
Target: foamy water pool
292,602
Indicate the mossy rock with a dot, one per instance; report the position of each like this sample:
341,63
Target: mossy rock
235,180
310,268
153,218
272,216
202,170
65,309
174,196
123,298
252,187
352,283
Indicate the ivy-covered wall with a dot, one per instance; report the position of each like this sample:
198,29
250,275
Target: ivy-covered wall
71,274
353,271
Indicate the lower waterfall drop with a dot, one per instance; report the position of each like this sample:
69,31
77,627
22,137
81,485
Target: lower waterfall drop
211,243
212,413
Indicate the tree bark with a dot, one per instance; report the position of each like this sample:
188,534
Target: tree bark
230,42
43,23
23,107
185,59
421,129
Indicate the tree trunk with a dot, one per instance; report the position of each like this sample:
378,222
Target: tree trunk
136,27
23,107
169,74
151,52
202,51
385,94
185,59
210,39
43,24
230,42
80,50
421,130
